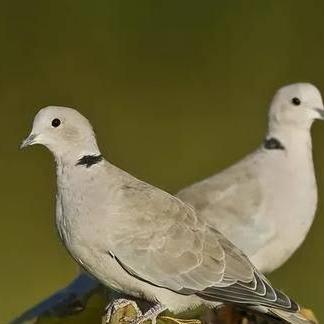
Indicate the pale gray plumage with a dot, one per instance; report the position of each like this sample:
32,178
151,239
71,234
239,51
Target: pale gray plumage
265,204
139,239
253,201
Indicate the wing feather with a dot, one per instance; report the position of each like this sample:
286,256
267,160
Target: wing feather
183,254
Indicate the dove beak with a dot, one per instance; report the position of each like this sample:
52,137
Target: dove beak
30,140
320,112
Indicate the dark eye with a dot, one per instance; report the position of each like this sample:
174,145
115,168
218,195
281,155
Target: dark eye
296,101
56,122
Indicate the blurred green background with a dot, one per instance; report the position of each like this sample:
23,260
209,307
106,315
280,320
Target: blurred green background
176,91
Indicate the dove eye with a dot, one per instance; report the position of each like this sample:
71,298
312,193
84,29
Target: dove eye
296,101
56,122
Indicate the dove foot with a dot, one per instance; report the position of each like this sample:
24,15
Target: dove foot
123,309
150,315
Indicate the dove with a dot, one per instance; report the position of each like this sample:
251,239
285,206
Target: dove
140,240
265,203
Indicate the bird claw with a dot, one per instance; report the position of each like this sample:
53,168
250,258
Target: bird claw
113,313
126,311
150,315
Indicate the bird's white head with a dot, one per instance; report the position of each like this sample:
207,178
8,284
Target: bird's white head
296,106
64,131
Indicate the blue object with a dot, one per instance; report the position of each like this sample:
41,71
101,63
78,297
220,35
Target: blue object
68,300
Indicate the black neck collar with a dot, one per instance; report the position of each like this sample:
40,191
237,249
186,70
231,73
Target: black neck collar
89,160
273,144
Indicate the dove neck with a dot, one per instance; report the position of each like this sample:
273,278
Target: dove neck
74,154
290,135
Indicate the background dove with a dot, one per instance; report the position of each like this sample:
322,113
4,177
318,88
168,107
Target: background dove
265,203
138,239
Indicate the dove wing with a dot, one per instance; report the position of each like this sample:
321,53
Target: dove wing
167,246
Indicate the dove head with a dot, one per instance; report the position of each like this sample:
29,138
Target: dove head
296,105
65,132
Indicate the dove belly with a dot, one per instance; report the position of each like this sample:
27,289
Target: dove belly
111,274
108,271
81,242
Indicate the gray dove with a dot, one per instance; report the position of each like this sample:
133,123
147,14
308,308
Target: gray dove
265,203
138,239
